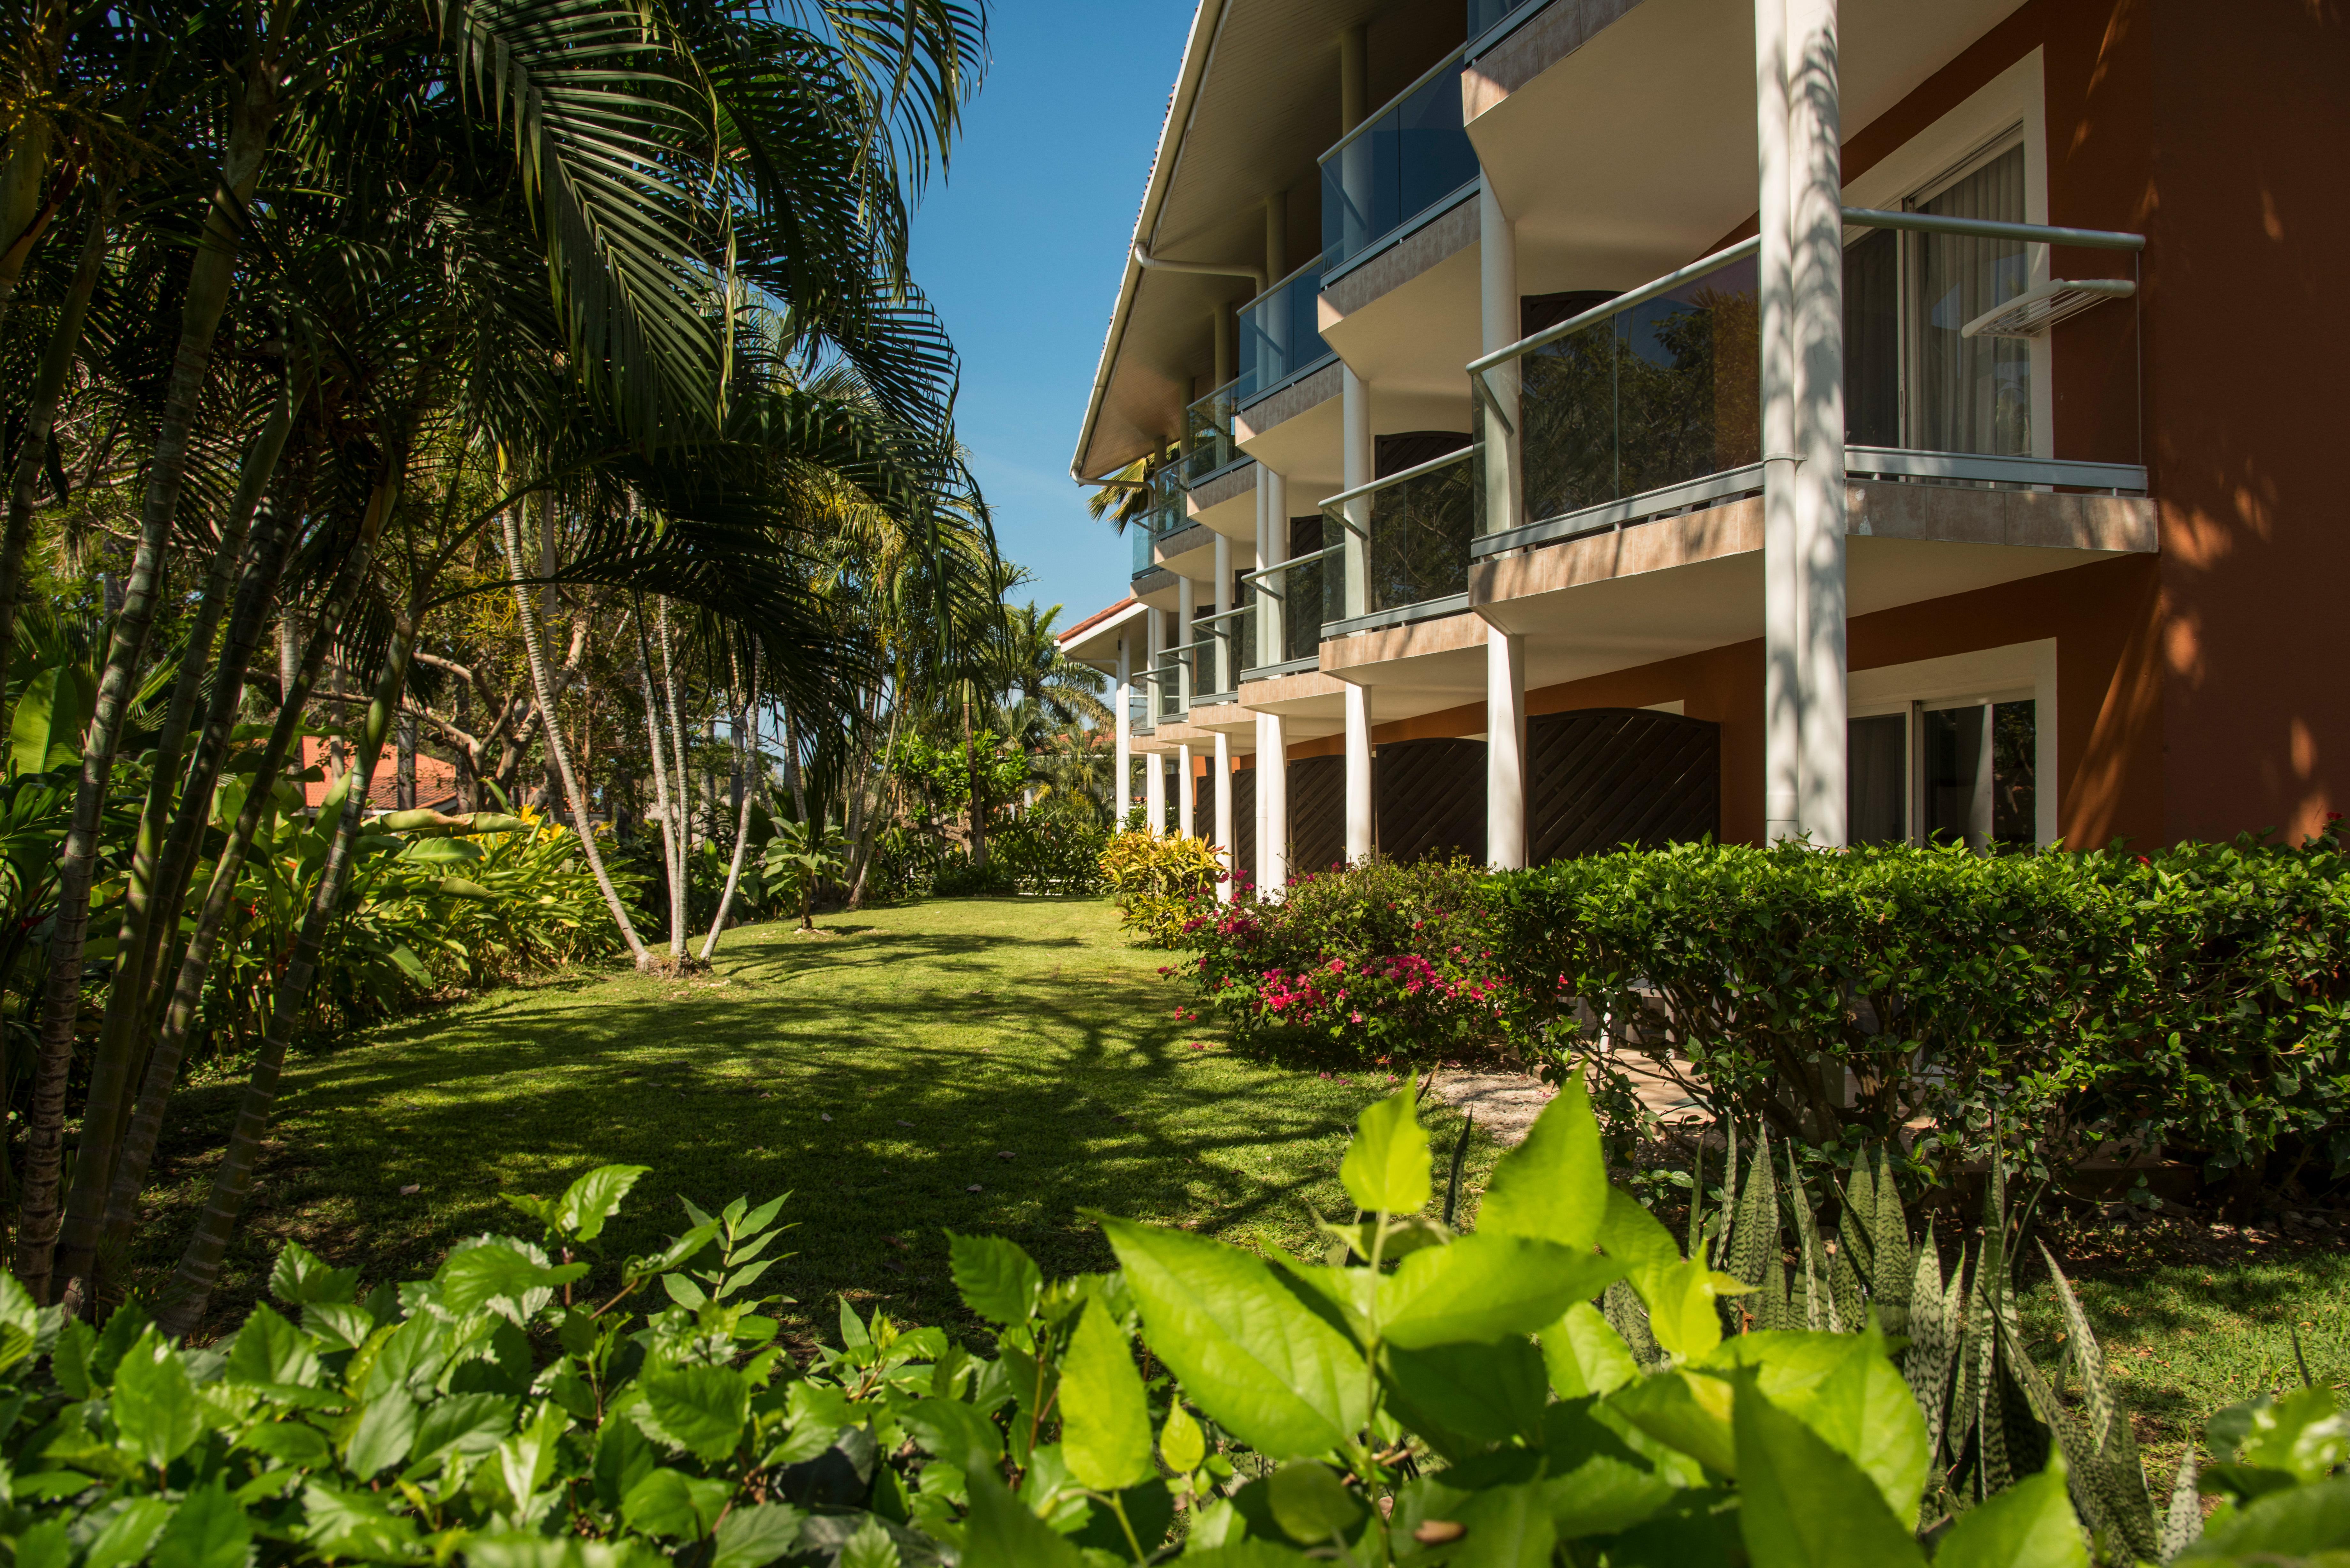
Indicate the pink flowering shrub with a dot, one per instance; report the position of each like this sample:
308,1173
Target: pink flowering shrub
1377,962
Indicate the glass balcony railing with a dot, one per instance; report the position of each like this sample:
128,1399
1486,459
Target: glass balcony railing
1230,640
1395,165
1417,528
1486,15
1652,401
1280,333
1208,433
1655,394
1164,515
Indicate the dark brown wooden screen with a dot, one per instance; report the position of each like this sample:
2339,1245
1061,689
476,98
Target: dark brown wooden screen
1317,813
1244,821
1599,778
1430,797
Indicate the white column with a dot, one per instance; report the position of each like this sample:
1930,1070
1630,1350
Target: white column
1186,604
1782,717
1186,817
1222,831
1273,548
1223,672
1124,715
1154,789
1272,798
1359,772
1355,415
1816,223
1505,653
1505,748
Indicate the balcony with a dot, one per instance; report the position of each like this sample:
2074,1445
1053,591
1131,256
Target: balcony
1208,445
1485,15
1410,160
1164,515
1226,644
1281,336
1398,549
1650,403
1299,589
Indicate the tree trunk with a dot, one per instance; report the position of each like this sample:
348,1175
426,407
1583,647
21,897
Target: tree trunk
165,837
41,419
660,784
685,793
469,792
746,735
188,1295
207,298
534,654
146,1124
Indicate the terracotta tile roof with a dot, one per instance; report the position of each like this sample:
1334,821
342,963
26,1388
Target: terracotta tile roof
1094,620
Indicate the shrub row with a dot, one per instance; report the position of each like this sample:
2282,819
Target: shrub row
2191,998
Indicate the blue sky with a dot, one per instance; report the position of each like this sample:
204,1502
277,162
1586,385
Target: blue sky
1020,249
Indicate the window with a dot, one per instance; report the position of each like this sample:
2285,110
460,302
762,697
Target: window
1959,774
1911,379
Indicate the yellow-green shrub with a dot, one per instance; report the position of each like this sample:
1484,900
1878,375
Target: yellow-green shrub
1162,885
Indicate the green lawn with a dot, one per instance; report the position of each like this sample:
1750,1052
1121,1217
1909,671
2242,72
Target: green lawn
879,1072
938,1039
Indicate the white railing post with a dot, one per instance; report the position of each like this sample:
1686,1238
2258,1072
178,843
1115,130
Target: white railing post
1125,716
1355,411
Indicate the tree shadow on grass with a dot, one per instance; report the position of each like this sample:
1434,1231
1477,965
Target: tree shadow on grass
725,1089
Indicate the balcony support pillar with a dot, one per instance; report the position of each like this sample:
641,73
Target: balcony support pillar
1154,787
1355,415
1223,797
1505,749
1358,774
1186,606
1271,549
1272,804
1123,713
1226,667
1816,226
1497,253
1187,817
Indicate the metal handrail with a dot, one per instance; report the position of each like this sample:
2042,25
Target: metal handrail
1618,306
1865,217
1295,273
1414,472
1380,113
1992,229
1256,578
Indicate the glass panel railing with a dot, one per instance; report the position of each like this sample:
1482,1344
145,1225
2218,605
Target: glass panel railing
1484,15
1280,333
1661,392
1139,530
1229,640
1418,527
1164,515
1395,165
1298,588
1208,434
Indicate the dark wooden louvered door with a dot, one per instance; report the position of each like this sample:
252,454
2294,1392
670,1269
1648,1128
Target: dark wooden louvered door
1599,778
1431,799
1317,813
1244,821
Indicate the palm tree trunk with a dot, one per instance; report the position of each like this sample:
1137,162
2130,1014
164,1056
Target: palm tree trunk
860,848
189,1291
684,844
128,998
206,299
534,653
660,779
41,419
300,674
746,733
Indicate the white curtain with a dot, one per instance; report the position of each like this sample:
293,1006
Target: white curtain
1974,393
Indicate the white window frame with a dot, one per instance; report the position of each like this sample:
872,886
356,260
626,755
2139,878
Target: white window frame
2014,672
2009,108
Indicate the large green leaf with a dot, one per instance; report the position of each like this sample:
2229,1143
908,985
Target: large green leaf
2030,1525
1802,1504
384,1434
1311,1503
1105,1422
1681,1313
155,1405
49,718
594,1198
1585,1354
997,1280
704,1407
1386,1169
209,1529
1463,1397
756,1535
2295,1522
301,1277
1509,1527
1688,1411
269,1350
465,1424
1248,1351
672,1503
1001,1532
956,1433
1553,1186
499,1273
1846,1389
1485,1286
